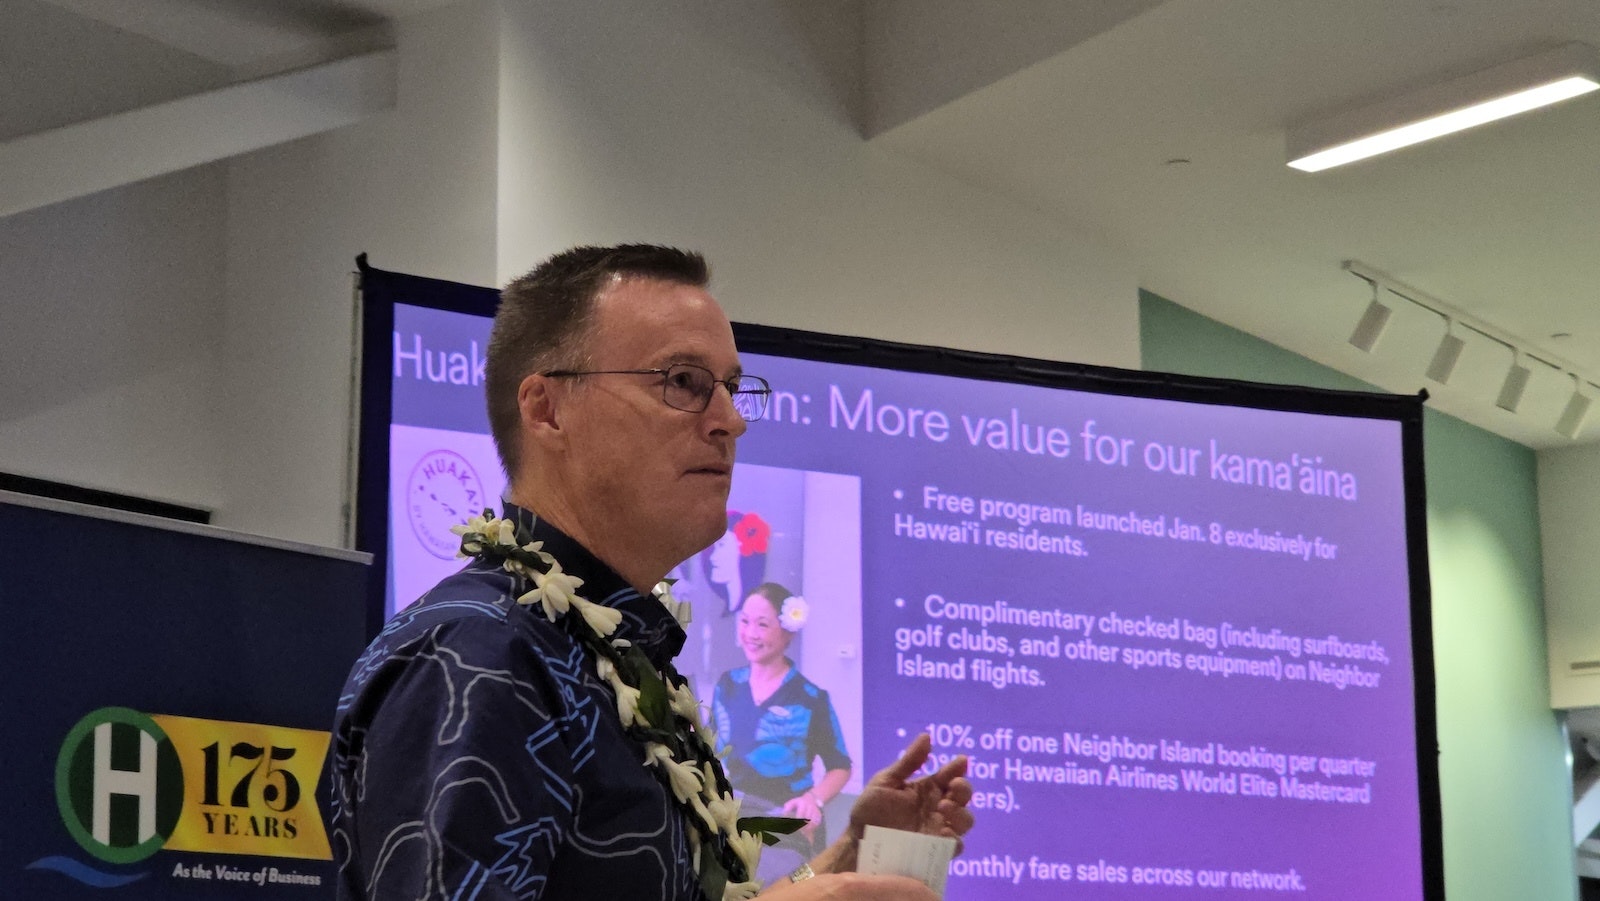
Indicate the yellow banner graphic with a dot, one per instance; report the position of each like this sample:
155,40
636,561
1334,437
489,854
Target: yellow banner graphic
248,788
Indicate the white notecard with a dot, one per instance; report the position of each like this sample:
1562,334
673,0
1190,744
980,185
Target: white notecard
925,858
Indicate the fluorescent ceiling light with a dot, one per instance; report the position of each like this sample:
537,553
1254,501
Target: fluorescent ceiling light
1505,90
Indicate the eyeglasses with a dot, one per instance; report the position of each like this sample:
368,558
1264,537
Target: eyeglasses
687,387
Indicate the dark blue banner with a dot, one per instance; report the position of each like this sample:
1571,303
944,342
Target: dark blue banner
171,687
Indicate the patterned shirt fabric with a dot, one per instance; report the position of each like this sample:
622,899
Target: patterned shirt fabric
477,755
773,743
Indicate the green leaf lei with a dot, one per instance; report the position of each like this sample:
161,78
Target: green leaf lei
655,707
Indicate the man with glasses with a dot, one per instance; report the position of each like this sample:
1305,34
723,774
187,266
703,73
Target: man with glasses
477,753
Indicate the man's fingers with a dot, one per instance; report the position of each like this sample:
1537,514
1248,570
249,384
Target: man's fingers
959,790
888,888
959,818
947,774
911,760
853,887
958,821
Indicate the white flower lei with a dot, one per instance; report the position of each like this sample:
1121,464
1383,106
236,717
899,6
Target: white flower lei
654,706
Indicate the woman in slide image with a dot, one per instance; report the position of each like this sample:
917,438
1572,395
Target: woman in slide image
778,725
737,560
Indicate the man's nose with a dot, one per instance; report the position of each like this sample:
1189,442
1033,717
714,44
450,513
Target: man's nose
722,416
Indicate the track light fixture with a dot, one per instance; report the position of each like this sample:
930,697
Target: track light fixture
1575,412
1445,358
1373,322
1515,384
1447,355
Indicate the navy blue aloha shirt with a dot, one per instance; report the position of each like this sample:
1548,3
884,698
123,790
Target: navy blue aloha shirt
476,754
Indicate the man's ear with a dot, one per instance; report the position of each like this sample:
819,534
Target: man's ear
536,404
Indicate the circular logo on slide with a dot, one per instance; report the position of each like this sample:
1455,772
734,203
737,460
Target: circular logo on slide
119,784
443,491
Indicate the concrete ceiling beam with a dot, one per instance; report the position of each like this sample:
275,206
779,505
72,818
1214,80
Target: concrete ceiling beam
76,160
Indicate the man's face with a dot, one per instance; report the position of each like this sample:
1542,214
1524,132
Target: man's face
646,480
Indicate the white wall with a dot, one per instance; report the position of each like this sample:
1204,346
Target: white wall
109,304
109,310
414,188
1569,520
188,338
707,124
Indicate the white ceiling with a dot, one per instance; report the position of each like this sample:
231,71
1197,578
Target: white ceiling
1501,222
1078,109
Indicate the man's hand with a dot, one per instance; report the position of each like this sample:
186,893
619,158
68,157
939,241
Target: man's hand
931,805
850,887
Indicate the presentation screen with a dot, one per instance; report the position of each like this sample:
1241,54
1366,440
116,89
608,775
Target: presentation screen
1178,626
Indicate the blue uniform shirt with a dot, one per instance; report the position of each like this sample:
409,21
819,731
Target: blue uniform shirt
773,743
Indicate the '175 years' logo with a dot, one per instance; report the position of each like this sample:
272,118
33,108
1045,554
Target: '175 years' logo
129,784
119,784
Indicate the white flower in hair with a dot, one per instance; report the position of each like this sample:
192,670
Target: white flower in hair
794,614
